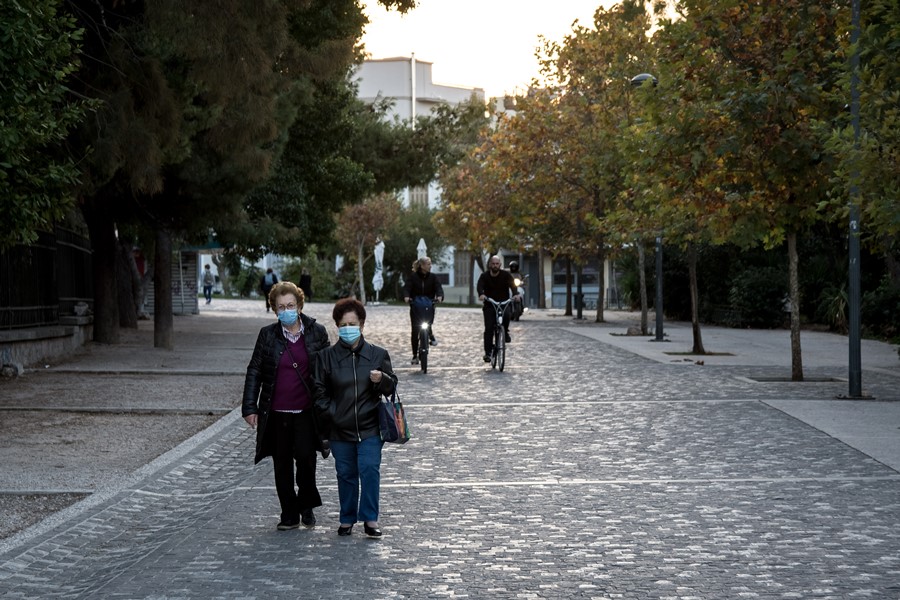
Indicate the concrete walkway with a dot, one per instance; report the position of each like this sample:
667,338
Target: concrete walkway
596,466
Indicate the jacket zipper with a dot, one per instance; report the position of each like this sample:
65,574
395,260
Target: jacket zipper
355,398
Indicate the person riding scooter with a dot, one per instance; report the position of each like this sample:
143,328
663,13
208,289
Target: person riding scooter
518,306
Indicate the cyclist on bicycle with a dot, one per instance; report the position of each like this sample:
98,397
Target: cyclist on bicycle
421,282
497,284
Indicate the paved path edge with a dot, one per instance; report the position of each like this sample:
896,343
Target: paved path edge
103,494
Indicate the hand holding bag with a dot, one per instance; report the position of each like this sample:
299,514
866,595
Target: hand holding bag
392,420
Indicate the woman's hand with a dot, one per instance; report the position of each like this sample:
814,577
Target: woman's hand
375,376
251,420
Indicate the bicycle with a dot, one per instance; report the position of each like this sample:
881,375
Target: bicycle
423,308
498,352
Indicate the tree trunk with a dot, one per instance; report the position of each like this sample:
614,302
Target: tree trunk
642,277
102,230
542,286
568,312
796,356
579,291
601,291
359,270
163,321
129,284
224,275
695,301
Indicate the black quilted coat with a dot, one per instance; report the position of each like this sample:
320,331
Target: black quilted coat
346,399
260,380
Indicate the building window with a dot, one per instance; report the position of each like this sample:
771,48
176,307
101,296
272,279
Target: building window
418,196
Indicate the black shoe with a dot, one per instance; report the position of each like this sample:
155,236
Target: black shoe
486,358
345,529
308,518
414,361
286,524
433,342
372,532
507,338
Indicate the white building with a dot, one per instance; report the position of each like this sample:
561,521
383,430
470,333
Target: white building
407,83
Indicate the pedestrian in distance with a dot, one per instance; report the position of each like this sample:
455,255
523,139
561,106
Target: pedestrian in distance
350,378
422,282
278,402
209,280
499,285
306,284
266,283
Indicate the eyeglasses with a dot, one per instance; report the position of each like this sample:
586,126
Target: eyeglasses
283,307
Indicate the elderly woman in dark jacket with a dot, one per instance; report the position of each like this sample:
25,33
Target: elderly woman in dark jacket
350,378
278,402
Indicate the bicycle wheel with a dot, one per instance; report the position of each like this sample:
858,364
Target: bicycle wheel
501,360
423,350
498,340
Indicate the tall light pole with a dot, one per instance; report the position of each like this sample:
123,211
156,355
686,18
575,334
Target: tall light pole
855,359
638,81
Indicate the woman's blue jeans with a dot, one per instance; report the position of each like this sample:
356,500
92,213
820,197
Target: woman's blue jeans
358,467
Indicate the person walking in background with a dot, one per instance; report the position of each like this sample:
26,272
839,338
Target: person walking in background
422,282
278,402
306,284
350,378
266,283
496,284
209,280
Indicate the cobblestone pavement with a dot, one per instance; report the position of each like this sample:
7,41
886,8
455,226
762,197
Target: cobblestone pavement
582,471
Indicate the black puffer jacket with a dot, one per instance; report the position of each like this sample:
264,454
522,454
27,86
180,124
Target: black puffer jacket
346,399
260,380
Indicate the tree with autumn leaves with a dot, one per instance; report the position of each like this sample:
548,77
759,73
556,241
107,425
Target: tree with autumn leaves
750,166
729,147
549,176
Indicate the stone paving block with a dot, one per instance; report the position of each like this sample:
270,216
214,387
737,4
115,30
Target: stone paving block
581,472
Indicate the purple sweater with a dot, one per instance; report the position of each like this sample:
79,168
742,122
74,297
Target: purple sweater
289,392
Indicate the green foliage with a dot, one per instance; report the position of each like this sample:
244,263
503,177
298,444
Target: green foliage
872,162
401,240
880,312
832,306
321,272
340,151
38,55
246,280
758,295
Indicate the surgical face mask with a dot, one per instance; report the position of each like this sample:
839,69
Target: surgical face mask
288,317
349,333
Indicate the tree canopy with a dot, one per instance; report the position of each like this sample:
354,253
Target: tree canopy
38,55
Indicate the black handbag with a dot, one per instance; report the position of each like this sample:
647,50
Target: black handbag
392,420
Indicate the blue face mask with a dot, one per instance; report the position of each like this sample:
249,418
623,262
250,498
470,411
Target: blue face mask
349,334
288,317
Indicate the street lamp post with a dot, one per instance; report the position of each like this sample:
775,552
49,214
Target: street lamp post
638,81
855,358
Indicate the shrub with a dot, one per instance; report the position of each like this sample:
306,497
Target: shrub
880,311
758,294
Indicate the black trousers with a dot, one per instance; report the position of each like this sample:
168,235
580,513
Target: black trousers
294,440
490,321
416,325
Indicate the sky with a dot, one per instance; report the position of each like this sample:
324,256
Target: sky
475,43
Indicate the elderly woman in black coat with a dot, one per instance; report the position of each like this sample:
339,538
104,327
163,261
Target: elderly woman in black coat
278,402
350,378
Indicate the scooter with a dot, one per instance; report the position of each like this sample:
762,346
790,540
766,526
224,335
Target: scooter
518,306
